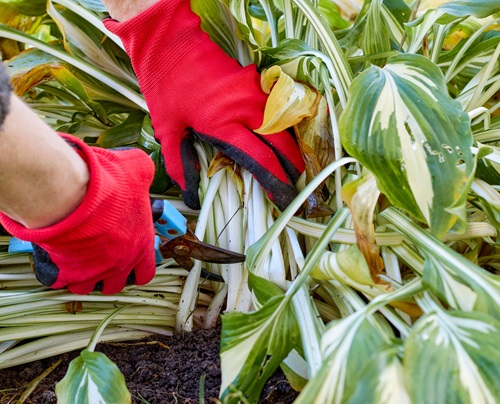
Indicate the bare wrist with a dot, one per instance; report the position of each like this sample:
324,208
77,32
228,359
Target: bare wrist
122,10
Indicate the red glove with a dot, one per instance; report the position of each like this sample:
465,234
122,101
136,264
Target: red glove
190,83
109,238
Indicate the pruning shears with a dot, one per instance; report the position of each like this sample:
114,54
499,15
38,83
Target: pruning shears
175,240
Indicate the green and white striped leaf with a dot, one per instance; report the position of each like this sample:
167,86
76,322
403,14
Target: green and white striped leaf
447,13
382,381
239,9
217,21
253,345
403,126
378,28
92,379
453,358
82,39
489,200
297,59
347,347
449,275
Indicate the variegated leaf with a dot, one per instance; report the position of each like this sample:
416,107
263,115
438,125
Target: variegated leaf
84,40
350,268
489,200
382,381
347,347
216,21
453,358
449,275
378,27
296,59
253,345
92,378
403,126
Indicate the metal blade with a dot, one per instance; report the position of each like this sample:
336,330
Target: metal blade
182,249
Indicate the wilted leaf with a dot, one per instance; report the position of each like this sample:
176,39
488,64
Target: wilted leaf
289,102
316,145
401,123
11,17
74,307
223,162
361,196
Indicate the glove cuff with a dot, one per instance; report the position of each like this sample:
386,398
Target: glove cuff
110,187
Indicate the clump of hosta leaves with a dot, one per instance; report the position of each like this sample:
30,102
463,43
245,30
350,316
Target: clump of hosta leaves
388,256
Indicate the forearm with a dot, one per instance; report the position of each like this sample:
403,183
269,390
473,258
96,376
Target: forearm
42,179
122,10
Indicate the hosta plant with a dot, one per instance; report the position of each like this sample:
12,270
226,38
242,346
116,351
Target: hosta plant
379,283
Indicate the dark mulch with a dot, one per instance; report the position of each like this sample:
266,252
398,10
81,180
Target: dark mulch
165,370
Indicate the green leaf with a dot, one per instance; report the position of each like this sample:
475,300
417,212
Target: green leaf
464,351
28,7
403,126
123,134
331,14
92,378
253,345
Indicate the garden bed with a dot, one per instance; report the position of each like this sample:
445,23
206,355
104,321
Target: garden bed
157,370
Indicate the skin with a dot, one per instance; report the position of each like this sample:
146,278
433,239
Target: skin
42,179
122,10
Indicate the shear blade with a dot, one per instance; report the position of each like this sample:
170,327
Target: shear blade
186,247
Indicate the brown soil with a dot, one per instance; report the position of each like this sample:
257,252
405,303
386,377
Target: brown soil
158,370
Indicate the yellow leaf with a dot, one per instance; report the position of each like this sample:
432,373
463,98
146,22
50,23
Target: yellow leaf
362,196
289,102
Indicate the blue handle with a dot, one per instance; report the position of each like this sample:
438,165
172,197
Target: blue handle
172,223
19,246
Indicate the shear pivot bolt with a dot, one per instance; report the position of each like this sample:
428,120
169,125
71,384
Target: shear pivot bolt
182,250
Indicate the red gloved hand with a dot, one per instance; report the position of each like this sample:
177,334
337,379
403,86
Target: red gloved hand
109,239
190,83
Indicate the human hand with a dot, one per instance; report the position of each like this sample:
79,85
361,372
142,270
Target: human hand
193,89
108,241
